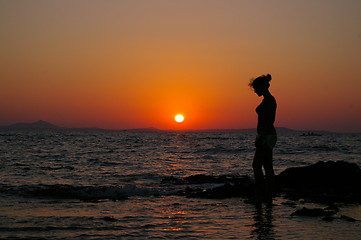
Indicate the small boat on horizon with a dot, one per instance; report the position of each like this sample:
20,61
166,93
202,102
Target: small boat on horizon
310,134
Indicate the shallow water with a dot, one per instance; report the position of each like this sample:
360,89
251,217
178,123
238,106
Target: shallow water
71,185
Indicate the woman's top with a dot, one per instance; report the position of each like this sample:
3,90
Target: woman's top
266,132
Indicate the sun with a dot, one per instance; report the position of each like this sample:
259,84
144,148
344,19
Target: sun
179,118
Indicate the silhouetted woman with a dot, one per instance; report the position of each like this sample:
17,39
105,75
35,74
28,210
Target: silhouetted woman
265,140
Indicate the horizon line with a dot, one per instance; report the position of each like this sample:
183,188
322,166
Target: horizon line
41,124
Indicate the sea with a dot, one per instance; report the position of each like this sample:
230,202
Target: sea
102,184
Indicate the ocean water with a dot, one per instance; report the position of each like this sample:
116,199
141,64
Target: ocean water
108,185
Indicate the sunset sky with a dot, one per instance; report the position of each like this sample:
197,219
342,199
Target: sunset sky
134,64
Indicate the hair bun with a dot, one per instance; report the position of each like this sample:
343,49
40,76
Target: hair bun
268,77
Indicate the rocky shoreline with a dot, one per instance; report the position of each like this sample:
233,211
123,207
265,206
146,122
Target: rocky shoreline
329,183
323,182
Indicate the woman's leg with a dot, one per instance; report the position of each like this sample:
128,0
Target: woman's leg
258,173
269,174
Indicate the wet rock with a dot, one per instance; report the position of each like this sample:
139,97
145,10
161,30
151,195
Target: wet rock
332,208
310,212
346,218
290,204
172,180
328,214
323,182
233,186
227,190
315,212
328,219
342,217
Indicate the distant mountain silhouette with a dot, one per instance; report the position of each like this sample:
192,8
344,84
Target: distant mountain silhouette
43,125
38,125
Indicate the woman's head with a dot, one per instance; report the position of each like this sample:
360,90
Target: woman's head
260,84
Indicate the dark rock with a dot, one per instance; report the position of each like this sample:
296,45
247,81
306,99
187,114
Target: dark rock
290,204
327,212
322,174
342,217
332,208
172,180
310,212
323,182
233,186
228,190
328,218
200,178
346,218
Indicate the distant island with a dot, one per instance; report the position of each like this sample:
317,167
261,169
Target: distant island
44,125
38,125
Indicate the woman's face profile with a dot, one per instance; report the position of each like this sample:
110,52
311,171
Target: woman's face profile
258,91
